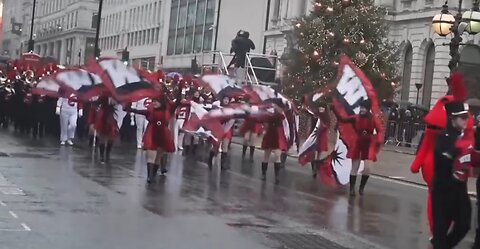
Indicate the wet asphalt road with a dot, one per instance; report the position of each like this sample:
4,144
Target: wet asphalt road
52,197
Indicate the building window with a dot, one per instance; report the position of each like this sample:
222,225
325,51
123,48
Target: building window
407,71
190,26
428,75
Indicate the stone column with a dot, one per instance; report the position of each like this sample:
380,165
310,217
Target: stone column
63,52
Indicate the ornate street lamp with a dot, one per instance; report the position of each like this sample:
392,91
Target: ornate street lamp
442,23
445,23
472,19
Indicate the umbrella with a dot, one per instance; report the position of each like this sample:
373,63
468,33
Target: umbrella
173,74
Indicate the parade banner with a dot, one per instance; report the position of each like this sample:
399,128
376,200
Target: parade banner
124,83
199,126
306,153
79,82
265,94
222,86
351,89
47,86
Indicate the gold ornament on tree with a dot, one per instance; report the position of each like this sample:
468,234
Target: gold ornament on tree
345,3
361,59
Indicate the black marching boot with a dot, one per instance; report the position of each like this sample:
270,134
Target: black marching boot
353,180
314,168
277,172
252,152
223,161
186,150
244,151
210,159
194,149
150,172
264,171
101,149
283,159
163,168
363,183
108,150
90,141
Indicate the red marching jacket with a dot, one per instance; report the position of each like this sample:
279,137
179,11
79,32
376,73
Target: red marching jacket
274,137
157,135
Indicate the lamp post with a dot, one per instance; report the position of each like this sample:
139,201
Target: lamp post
418,86
31,42
97,34
445,23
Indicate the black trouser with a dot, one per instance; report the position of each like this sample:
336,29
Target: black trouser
477,234
450,206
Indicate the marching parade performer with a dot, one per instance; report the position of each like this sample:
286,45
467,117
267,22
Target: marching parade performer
158,139
322,123
369,139
436,121
140,121
225,140
91,108
274,140
191,142
106,126
451,207
250,130
69,111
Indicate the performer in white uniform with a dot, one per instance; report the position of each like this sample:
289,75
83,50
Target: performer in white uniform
69,112
141,121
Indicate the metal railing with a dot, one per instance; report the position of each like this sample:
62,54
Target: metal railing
407,134
215,60
250,75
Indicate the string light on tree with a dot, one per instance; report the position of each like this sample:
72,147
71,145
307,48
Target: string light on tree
358,30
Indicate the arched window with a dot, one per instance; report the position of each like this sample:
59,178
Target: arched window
428,75
407,72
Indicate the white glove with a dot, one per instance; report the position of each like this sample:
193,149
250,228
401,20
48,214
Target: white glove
57,110
80,113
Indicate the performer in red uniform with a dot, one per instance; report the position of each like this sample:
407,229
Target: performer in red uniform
436,120
190,142
323,116
158,138
451,208
91,109
274,140
250,130
106,127
225,142
366,146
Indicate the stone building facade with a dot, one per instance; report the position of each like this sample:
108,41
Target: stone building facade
135,25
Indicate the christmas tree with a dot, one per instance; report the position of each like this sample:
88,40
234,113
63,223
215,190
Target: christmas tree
356,28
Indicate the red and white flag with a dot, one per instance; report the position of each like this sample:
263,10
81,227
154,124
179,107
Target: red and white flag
47,86
124,82
351,89
307,151
222,86
199,126
83,84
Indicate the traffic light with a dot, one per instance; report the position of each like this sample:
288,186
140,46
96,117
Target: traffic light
125,56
